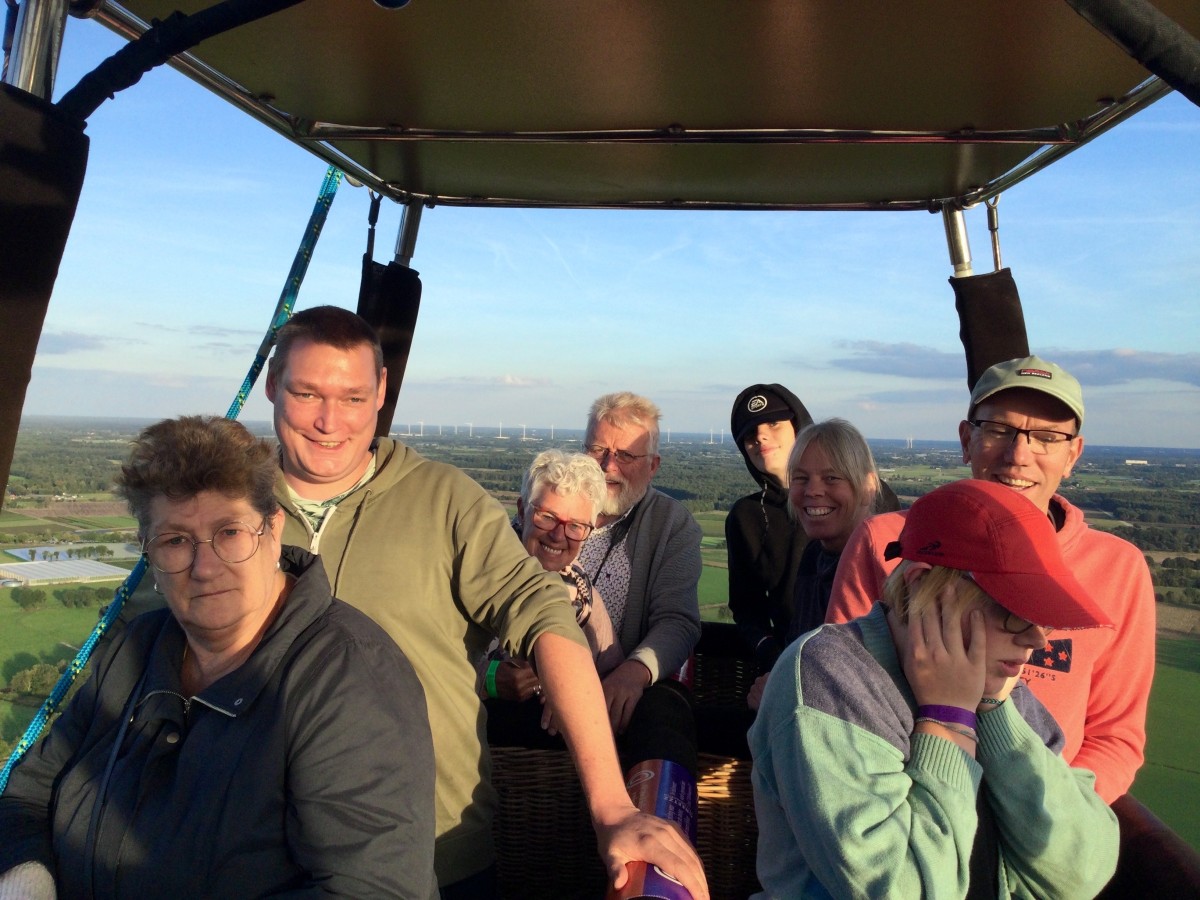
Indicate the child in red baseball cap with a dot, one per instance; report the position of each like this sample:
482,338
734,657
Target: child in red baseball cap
901,755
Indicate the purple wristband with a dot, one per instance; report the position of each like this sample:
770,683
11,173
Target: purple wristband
955,714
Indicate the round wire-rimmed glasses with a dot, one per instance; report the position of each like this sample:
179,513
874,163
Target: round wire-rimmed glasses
173,552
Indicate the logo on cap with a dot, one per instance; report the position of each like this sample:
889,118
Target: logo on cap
932,548
1038,373
757,403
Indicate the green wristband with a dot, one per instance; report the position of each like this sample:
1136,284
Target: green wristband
490,680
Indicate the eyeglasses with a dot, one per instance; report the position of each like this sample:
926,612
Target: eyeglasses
1039,439
544,520
1011,622
1014,624
172,552
623,457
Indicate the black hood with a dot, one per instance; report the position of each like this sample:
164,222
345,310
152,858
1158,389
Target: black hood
800,419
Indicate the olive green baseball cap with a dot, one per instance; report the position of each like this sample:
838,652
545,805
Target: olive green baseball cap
1034,374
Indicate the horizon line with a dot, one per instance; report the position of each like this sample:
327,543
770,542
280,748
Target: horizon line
266,425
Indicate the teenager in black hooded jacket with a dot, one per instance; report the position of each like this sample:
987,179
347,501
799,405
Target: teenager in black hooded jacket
764,545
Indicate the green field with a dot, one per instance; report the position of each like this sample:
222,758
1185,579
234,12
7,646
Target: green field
12,522
712,523
42,635
714,592
714,580
48,635
14,720
1169,782
110,523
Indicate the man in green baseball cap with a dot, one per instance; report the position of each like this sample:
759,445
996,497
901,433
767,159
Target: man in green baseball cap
1022,431
1022,428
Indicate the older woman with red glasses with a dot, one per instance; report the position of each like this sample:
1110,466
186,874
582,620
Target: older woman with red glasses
561,496
257,737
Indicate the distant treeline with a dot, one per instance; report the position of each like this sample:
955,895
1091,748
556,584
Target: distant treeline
71,597
48,462
1153,507
29,598
1183,539
82,597
1160,502
44,533
702,476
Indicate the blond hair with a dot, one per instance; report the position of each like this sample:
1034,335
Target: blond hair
906,600
849,456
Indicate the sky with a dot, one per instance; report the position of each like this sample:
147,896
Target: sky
192,212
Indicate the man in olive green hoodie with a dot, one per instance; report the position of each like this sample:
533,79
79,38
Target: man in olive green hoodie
423,550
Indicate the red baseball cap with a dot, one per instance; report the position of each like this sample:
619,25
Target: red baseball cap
1007,544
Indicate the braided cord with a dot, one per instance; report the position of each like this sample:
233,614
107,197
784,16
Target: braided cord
283,311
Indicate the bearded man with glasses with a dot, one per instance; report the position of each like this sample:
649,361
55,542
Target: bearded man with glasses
643,556
1023,431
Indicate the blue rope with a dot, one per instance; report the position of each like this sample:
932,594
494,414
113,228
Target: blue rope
283,311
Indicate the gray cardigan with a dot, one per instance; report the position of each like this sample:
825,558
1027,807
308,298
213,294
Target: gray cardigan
662,612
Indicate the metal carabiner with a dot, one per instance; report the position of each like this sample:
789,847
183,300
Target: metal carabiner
993,220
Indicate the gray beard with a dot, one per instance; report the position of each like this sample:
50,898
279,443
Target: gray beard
623,502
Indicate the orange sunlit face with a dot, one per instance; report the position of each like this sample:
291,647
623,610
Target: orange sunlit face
627,482
823,499
1014,464
213,600
553,548
326,404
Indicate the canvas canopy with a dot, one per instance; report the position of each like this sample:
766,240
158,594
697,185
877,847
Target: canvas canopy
774,104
